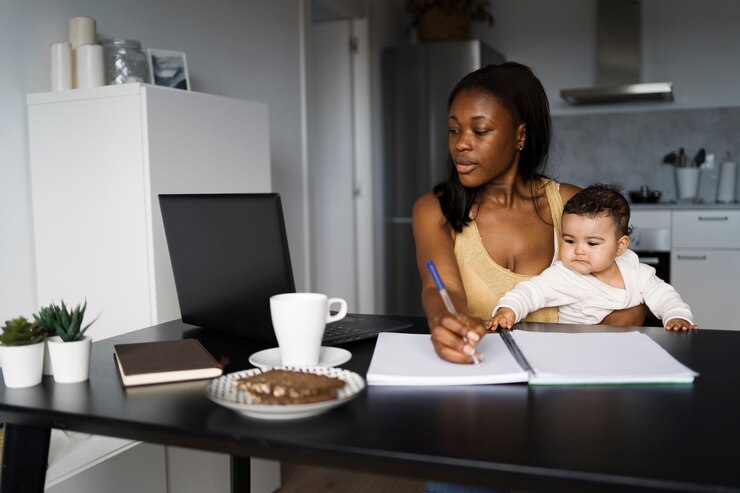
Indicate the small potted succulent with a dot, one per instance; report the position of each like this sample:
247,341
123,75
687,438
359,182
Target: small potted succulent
69,347
22,353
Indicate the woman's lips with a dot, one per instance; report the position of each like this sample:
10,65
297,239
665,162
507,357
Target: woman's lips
465,166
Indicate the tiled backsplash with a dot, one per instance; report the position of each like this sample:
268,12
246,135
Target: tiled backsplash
628,148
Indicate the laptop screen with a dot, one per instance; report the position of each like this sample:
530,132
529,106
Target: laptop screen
229,254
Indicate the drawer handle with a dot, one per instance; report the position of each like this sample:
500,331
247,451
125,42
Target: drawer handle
691,257
713,218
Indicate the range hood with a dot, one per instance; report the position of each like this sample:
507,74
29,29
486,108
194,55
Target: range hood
618,56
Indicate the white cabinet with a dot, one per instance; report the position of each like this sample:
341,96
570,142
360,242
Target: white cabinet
707,280
99,158
705,265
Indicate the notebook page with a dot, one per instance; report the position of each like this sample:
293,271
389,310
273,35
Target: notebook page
409,359
595,358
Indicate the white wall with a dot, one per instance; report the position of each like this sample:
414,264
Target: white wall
247,49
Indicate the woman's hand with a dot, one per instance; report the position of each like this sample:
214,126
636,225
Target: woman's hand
455,337
629,317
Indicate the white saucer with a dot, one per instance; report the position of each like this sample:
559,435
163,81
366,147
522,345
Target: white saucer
329,356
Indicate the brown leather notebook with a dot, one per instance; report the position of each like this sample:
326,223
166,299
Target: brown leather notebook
147,363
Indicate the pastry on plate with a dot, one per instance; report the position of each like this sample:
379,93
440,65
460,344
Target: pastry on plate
289,387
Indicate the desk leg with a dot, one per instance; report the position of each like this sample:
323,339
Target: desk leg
25,456
240,474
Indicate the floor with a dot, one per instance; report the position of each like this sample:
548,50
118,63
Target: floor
301,478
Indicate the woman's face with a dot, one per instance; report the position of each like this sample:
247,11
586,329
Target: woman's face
482,138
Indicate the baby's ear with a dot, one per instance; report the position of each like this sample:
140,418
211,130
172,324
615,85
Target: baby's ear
622,244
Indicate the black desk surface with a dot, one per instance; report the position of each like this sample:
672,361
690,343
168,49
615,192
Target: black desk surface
569,438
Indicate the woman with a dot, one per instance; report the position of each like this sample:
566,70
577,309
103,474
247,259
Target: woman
495,221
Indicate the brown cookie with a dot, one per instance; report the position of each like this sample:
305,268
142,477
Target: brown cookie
289,387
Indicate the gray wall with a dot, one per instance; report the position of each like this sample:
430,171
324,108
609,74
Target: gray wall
628,148
247,50
690,43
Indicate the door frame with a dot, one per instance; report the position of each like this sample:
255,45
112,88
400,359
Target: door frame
364,231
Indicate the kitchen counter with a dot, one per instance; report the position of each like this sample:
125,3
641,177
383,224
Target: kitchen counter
684,206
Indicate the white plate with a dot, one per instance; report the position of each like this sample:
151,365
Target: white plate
223,391
329,356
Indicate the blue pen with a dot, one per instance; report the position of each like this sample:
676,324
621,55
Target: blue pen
446,297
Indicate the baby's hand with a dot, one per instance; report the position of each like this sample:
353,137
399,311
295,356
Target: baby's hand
679,324
504,317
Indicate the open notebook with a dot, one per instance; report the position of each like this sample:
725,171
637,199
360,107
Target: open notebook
540,358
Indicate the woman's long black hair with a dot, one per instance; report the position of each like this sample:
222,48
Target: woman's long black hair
519,91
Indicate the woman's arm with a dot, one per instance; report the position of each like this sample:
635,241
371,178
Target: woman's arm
629,317
434,240
567,191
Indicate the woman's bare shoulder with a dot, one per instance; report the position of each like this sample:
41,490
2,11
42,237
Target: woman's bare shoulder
428,218
427,206
567,191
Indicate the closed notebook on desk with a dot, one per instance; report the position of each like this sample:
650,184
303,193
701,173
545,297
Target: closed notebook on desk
154,362
539,358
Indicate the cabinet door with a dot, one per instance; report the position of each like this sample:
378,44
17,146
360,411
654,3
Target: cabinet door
706,229
707,281
89,209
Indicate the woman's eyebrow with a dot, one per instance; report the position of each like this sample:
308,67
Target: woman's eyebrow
476,117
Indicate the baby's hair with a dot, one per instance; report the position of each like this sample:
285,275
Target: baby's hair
602,200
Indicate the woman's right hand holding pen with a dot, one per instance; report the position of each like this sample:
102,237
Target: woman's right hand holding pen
455,337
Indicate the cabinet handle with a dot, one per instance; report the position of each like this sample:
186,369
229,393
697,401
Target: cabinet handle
691,257
713,218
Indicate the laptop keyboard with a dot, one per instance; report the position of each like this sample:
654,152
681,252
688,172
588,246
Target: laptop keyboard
336,333
356,328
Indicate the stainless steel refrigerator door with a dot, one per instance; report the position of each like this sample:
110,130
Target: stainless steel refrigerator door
417,81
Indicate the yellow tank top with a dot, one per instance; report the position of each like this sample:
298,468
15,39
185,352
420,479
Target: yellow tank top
484,280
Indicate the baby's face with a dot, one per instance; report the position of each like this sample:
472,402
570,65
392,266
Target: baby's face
589,245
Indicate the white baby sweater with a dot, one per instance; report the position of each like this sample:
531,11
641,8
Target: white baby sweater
583,299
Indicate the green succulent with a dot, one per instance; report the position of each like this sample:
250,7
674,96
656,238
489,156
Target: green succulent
63,322
21,332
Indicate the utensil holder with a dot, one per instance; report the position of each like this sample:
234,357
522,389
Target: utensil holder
687,183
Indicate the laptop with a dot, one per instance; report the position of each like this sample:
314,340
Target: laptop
229,254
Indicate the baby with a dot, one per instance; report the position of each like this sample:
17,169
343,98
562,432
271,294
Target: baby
596,273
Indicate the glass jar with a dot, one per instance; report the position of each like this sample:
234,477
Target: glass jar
124,61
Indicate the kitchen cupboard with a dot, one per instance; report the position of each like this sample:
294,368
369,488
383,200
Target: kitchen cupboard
705,265
704,258
98,159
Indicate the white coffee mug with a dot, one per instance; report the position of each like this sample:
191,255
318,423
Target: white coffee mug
299,320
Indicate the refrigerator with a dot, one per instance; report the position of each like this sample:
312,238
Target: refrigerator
417,80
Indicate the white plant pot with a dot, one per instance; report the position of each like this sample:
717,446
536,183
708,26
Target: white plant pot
22,365
47,360
70,361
